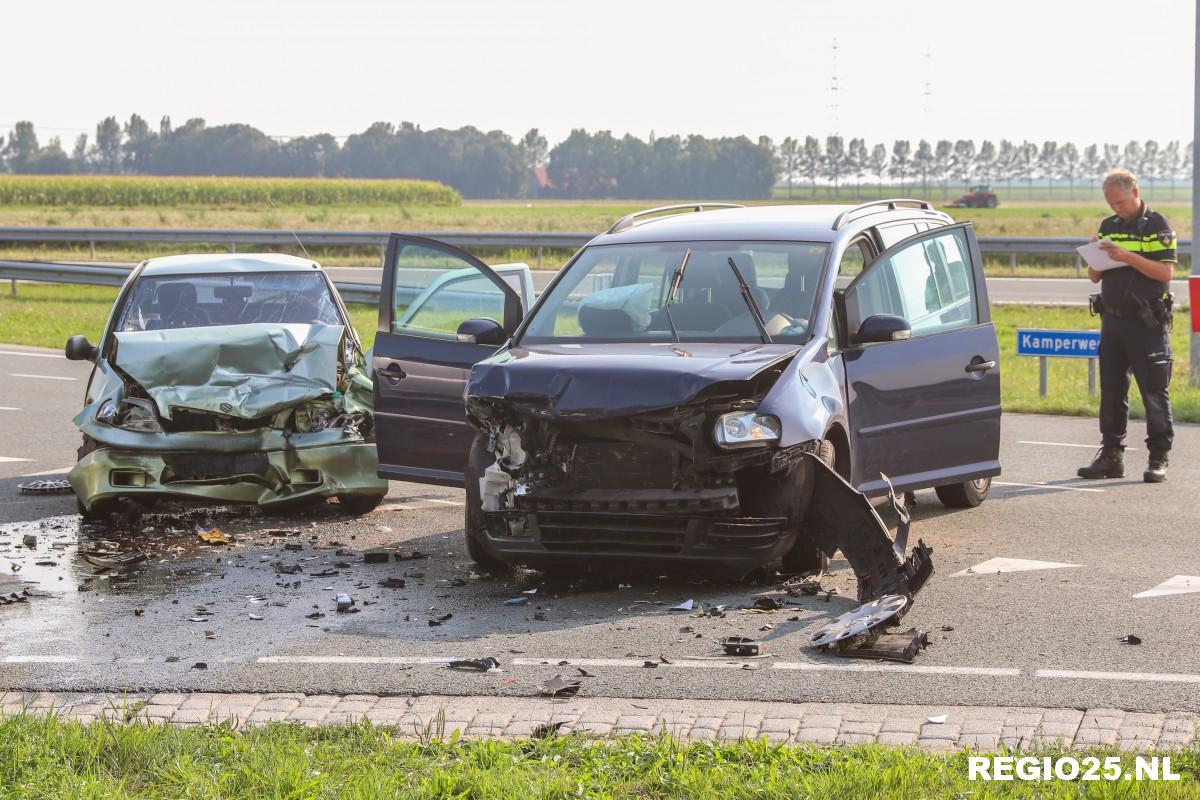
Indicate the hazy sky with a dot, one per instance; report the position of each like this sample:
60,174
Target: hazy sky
1081,70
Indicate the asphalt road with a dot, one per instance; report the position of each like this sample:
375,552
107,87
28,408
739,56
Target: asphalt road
1043,637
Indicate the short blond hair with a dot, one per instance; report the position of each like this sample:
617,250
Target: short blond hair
1120,177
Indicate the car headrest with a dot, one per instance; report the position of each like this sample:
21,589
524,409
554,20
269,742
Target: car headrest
604,321
175,294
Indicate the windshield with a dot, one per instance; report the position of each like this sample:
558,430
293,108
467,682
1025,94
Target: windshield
200,301
617,293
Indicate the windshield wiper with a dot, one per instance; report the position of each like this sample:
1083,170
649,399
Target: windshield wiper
675,281
748,296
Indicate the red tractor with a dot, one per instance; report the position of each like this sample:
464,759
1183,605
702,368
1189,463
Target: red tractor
980,196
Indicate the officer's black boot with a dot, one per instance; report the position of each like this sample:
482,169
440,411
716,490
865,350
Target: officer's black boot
1108,463
1156,470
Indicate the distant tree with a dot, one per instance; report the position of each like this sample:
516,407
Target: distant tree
964,161
164,127
985,161
811,159
1148,168
834,163
943,162
79,152
1132,156
1168,164
1067,166
107,151
49,160
1025,162
1185,163
902,165
1112,158
582,165
923,165
135,152
878,164
857,162
22,145
1047,163
1092,163
789,161
308,156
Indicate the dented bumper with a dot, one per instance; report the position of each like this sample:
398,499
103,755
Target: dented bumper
265,477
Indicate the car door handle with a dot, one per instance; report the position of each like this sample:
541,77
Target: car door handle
394,373
981,366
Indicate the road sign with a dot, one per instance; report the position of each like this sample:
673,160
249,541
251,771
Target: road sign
1069,344
1059,344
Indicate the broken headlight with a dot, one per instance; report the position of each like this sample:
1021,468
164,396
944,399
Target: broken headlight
744,428
107,413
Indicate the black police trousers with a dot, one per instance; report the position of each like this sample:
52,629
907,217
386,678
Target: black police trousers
1128,346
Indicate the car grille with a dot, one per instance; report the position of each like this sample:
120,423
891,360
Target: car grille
646,533
207,466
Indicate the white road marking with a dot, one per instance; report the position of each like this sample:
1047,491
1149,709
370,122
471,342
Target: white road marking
1180,584
422,502
1154,677
1071,444
42,377
9,459
1001,672
1045,485
8,408
39,660
994,565
31,355
59,471
355,659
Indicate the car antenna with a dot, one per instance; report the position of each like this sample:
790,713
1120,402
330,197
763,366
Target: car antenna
675,281
291,230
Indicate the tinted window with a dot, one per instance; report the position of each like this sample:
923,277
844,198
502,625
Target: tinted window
927,282
196,301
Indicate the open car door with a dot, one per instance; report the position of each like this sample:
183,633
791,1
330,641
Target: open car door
424,352
924,402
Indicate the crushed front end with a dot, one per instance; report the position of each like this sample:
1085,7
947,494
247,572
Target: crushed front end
267,414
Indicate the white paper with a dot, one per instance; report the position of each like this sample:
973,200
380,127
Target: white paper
1097,257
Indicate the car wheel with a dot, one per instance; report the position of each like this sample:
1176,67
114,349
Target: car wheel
473,524
967,494
359,504
805,556
991,203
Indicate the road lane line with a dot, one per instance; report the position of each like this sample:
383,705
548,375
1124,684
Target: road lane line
1072,444
1153,677
1045,485
39,660
41,377
355,659
59,471
808,666
9,459
34,355
8,408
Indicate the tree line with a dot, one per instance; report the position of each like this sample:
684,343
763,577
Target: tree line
494,164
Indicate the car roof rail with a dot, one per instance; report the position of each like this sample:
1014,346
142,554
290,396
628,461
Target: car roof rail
629,219
879,206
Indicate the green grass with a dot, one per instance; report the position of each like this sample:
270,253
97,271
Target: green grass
44,315
50,758
144,190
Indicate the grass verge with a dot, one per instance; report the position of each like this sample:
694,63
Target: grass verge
44,315
48,757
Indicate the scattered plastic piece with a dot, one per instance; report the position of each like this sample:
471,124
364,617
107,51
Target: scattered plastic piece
211,535
686,605
344,602
765,603
29,540
287,569
119,561
517,601
487,664
1130,638
409,555
558,686
435,621
256,616
392,583
739,646
375,557
940,719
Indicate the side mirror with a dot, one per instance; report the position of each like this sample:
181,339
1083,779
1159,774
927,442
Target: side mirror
80,349
883,328
482,330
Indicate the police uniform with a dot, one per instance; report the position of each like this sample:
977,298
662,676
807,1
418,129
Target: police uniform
1135,333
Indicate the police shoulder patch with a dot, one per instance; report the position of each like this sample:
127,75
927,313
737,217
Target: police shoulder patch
1167,237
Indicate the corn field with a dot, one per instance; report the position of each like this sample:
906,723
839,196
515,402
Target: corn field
133,191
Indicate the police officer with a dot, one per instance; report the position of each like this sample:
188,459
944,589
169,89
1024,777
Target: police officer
1135,321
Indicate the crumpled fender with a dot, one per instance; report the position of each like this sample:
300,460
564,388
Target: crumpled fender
841,518
807,398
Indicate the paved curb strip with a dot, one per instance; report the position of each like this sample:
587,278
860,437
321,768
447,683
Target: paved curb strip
978,727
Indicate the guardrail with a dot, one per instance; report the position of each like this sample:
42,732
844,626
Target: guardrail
115,276
538,241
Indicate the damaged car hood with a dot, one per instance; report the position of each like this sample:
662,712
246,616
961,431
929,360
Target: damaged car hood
605,380
244,371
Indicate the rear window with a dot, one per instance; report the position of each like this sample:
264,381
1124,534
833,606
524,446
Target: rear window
199,301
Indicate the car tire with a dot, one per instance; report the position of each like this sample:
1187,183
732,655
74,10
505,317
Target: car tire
473,523
359,504
992,202
805,556
967,494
